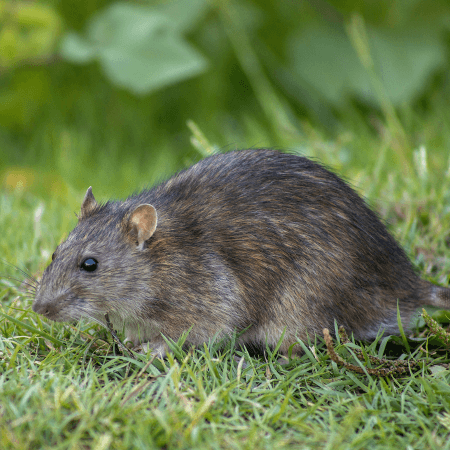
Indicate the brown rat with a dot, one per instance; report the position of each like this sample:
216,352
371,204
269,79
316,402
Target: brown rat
255,238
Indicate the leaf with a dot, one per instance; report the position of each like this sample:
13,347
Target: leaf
183,14
323,57
441,316
144,69
29,32
436,369
138,47
75,49
406,59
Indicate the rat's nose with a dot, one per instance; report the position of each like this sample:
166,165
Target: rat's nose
47,308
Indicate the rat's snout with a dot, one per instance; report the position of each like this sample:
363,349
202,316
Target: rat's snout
47,308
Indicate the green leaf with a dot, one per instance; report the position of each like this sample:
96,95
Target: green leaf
436,370
147,68
75,49
183,14
29,32
406,59
323,57
441,316
138,47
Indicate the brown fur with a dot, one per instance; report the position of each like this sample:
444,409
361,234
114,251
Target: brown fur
255,238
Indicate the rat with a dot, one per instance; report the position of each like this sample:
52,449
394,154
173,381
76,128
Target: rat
255,241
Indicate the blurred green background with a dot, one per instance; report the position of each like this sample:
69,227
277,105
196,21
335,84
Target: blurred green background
118,95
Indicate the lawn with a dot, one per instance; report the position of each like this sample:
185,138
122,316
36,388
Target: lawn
70,386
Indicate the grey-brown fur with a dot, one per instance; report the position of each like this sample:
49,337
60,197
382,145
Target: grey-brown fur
256,239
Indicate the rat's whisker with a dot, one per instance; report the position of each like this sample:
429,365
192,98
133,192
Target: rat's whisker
22,283
26,274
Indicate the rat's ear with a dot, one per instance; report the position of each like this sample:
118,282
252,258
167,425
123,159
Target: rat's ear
143,219
88,205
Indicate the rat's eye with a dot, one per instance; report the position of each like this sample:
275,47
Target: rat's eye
89,264
53,257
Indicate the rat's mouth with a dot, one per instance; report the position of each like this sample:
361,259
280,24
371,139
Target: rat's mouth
55,309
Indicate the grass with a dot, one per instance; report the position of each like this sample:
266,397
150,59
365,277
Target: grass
66,386
77,393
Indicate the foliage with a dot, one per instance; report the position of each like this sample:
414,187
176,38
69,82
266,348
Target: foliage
29,33
330,49
324,57
138,48
320,56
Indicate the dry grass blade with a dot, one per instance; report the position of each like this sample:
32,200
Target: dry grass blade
397,367
116,338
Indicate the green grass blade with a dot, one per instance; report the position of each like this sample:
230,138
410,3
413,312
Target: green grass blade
32,329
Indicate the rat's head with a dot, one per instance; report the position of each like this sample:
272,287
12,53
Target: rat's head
101,267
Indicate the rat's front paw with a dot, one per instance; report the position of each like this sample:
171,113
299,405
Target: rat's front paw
156,349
